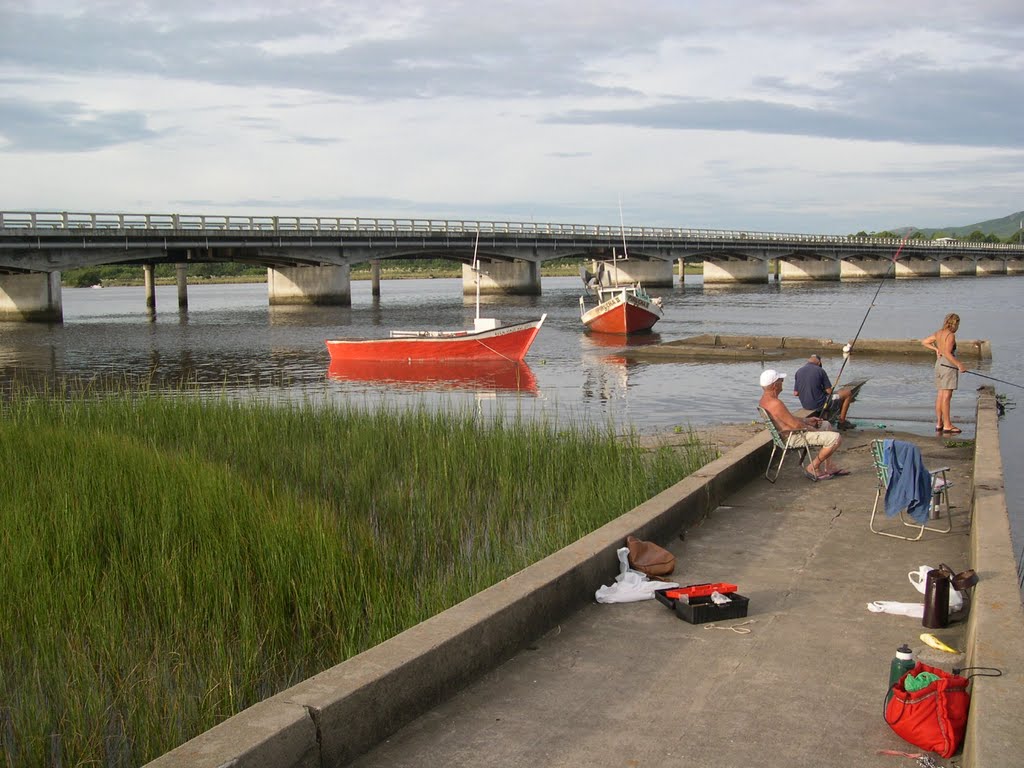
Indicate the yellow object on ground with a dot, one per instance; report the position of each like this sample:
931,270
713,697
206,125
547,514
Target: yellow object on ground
934,642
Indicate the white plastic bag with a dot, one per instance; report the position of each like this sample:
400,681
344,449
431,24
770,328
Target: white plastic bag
630,586
919,579
900,609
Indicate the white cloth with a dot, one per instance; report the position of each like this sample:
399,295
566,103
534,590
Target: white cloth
900,609
630,586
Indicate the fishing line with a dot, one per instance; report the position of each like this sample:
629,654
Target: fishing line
828,401
982,375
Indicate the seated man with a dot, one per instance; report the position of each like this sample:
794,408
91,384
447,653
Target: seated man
813,386
821,434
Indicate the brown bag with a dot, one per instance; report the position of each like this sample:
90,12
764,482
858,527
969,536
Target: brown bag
649,558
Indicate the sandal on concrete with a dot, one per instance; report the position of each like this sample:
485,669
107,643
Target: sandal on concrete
952,431
816,477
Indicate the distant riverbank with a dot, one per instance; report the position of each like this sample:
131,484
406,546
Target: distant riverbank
558,270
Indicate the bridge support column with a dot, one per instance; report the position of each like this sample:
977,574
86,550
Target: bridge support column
517,278
181,275
808,269
682,271
910,267
957,267
988,267
32,297
150,281
653,274
736,271
375,278
1015,266
322,286
864,269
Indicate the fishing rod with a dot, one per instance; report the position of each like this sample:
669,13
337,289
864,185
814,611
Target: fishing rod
849,347
982,375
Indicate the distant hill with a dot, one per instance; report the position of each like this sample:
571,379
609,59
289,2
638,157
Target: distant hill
1001,228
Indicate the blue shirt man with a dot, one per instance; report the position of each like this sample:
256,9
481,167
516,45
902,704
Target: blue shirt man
813,386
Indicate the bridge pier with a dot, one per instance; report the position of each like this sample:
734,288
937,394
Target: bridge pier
954,267
1015,266
910,267
321,286
33,297
863,269
986,267
375,278
810,268
515,278
150,282
181,276
653,274
738,270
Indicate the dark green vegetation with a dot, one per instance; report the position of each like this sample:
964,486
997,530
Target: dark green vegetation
1004,230
168,561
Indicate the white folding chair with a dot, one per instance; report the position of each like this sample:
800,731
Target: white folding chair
780,443
940,496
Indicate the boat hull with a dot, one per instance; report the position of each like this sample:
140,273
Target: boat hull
509,342
622,313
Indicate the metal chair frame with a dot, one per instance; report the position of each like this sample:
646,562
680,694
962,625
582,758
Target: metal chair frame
780,443
940,496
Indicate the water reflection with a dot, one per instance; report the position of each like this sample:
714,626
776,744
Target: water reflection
438,375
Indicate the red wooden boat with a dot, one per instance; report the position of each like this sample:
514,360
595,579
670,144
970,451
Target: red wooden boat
620,308
439,374
488,340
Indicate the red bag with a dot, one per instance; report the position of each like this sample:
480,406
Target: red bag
933,718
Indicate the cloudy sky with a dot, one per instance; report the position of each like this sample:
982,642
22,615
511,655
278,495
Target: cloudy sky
826,116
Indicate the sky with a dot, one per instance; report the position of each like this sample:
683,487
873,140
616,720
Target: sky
811,117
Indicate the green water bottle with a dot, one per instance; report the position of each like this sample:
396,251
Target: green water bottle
902,663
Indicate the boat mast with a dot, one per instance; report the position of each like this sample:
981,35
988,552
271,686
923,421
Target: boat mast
622,232
476,270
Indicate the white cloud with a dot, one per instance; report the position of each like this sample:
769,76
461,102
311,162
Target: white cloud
825,117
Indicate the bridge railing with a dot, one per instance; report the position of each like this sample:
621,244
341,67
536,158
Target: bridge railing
64,220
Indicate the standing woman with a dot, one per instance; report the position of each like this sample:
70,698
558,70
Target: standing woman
947,371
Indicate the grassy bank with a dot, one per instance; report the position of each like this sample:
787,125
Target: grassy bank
168,561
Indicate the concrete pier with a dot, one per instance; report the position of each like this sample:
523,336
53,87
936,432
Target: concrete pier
652,274
865,269
515,278
794,269
986,267
33,297
325,285
735,271
181,279
957,267
911,267
149,280
533,672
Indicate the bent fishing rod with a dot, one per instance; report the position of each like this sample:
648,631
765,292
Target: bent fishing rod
982,375
852,344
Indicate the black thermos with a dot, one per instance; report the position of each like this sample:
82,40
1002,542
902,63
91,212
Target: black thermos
936,600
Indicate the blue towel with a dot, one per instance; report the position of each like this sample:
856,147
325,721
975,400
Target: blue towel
910,484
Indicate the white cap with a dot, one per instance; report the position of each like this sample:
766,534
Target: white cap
770,376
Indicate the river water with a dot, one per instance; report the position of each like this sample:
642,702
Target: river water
231,340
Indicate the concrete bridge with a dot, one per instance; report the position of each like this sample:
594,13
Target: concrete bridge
308,259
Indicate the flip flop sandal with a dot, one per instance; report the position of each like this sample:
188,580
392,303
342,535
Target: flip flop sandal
953,431
841,473
816,478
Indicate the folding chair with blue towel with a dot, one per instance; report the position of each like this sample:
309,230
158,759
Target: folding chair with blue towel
909,489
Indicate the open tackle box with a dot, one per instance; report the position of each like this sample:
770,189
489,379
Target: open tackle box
693,603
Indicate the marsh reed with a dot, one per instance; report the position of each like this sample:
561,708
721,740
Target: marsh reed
168,561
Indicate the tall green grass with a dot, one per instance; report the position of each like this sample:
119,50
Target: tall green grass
168,561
